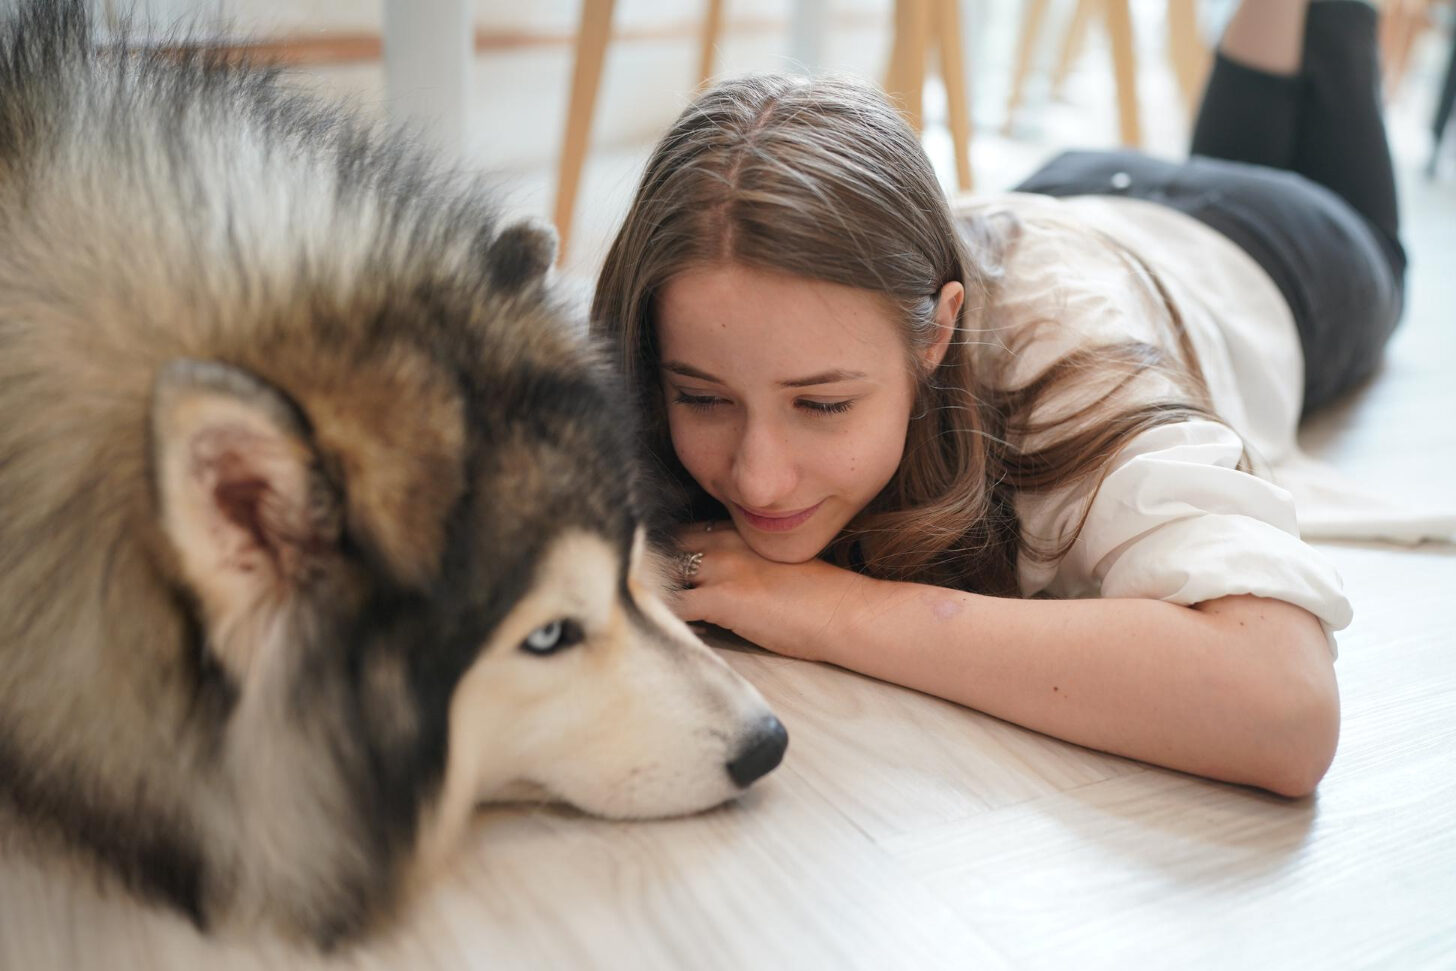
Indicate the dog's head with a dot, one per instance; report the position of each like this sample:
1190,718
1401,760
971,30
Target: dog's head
420,553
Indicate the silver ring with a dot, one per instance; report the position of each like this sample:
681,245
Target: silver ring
688,564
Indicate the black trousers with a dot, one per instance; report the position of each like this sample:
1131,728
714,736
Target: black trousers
1297,172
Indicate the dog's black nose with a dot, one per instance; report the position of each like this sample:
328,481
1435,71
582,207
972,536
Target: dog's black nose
763,750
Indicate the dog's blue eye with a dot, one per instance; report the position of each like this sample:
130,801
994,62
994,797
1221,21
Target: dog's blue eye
553,637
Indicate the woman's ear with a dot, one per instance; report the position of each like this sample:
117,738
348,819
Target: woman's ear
947,313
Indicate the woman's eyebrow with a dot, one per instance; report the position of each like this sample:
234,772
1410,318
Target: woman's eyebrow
823,377
688,371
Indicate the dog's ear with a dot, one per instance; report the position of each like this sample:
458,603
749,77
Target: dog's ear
241,497
520,254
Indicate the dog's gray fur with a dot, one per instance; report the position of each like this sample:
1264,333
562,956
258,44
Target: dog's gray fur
289,428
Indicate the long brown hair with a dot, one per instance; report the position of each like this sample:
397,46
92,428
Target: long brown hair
823,179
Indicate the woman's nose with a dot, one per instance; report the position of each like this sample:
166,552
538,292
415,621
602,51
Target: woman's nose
764,472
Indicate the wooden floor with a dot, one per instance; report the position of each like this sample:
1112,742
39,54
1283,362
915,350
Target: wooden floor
905,832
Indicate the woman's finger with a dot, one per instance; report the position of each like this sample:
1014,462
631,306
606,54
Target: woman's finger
701,568
692,607
688,563
694,537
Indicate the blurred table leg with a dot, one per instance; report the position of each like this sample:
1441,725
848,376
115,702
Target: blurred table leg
957,88
1124,66
1033,13
905,80
586,75
708,40
1072,43
1190,58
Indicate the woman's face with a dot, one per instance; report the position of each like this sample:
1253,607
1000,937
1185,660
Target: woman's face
788,399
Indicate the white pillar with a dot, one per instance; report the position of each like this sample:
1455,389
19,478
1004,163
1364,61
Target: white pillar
428,46
806,43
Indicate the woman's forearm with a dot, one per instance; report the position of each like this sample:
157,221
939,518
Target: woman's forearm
1240,689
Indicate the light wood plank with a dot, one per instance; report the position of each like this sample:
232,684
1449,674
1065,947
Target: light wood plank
777,879
894,760
1205,875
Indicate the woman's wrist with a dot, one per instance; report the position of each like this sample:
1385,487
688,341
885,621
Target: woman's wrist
820,631
859,625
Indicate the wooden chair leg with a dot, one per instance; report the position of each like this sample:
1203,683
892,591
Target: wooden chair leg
1124,66
712,30
1033,12
1190,59
905,80
899,39
957,91
1072,42
586,75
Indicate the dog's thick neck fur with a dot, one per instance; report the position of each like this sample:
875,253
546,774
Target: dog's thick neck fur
126,181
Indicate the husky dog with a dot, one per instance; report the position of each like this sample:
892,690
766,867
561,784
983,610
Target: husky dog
317,520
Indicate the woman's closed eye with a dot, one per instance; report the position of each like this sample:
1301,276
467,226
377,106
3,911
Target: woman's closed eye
703,402
826,407
698,402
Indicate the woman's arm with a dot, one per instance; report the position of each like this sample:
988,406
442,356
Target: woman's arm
1239,688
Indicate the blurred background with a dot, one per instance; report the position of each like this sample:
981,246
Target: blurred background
559,101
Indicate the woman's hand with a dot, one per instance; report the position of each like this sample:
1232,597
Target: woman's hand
787,608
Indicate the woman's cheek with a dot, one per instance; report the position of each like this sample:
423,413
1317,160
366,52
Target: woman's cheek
876,452
695,447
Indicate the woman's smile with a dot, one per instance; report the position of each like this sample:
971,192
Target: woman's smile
777,522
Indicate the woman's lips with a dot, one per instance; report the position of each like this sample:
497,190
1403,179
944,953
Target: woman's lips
778,523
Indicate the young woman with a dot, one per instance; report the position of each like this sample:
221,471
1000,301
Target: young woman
1016,453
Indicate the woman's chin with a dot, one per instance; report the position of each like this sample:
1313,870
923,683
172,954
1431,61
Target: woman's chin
783,549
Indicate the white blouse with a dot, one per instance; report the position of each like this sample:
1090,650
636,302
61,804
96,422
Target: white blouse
1174,519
